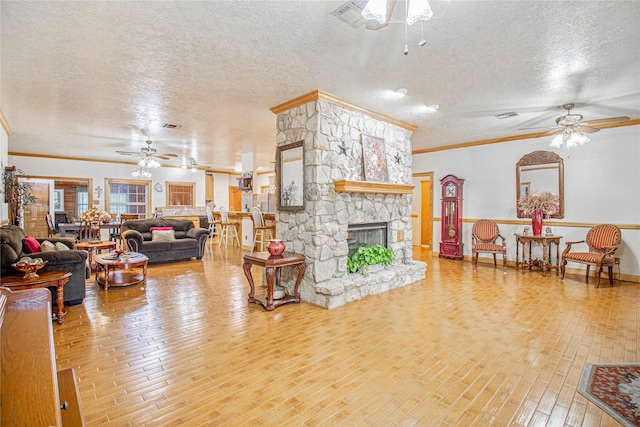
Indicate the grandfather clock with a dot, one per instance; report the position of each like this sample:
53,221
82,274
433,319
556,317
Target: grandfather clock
451,221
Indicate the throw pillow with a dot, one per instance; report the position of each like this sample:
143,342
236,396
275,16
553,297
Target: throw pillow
47,246
152,229
162,235
30,245
62,247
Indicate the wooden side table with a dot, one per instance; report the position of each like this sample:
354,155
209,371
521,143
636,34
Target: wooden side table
95,247
273,266
44,280
547,242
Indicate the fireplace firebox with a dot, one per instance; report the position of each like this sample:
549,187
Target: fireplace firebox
368,234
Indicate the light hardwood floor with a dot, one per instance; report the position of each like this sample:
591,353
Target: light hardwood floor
460,348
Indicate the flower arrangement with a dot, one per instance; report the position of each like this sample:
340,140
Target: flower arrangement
548,203
95,215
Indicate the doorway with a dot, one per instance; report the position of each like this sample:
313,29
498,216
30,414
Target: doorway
422,214
235,199
63,197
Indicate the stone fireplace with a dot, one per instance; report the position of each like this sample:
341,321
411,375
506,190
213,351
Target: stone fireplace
368,234
337,195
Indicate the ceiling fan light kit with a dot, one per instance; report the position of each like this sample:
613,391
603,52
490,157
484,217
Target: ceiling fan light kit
141,172
569,139
416,10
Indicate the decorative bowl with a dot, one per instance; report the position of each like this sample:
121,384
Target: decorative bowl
29,269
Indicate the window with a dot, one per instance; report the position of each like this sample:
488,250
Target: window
128,197
181,194
82,200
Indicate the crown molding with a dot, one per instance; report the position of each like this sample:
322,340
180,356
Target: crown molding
5,123
512,138
319,95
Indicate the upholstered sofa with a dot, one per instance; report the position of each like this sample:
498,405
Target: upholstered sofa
185,241
73,261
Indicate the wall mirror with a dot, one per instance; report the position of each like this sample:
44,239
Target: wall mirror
290,176
540,171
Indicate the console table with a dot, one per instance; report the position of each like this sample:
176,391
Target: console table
273,266
547,241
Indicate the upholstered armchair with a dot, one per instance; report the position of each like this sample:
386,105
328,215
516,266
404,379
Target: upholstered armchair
485,237
602,240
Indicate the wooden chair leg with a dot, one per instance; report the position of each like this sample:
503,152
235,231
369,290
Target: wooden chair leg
504,262
610,270
495,263
586,280
474,259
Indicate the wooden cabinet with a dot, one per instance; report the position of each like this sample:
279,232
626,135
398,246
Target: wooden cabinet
208,187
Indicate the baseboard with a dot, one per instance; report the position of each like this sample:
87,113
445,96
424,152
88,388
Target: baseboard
569,271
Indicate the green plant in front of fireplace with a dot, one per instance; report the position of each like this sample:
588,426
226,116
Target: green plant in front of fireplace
369,255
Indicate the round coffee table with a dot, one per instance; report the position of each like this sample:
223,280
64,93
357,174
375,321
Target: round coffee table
114,270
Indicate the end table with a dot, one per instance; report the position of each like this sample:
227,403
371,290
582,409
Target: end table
44,280
273,265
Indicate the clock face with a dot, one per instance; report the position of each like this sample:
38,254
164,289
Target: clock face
452,232
450,190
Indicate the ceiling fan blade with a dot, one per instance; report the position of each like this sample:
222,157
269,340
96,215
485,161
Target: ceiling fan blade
169,155
552,132
601,122
550,128
587,129
128,153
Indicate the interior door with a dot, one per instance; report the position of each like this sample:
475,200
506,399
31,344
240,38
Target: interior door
235,199
426,223
34,222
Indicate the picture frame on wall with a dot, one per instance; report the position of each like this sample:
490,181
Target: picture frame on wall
375,159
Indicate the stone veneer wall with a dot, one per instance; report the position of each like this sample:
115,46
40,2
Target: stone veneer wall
320,231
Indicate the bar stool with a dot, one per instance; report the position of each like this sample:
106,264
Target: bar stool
262,233
227,229
213,224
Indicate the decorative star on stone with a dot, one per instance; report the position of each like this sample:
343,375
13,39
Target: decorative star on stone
398,158
343,148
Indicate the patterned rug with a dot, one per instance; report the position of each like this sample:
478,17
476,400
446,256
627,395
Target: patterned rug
615,388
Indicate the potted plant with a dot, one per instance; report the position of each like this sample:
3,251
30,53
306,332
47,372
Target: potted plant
17,193
369,255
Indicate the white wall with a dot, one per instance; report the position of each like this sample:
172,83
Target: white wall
35,166
601,183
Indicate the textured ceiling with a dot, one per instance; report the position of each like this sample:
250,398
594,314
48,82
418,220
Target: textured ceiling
85,79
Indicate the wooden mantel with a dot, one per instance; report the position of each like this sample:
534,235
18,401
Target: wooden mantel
344,186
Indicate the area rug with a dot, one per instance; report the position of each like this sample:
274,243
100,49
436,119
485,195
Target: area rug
615,388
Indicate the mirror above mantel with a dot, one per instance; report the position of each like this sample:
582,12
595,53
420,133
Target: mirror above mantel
540,171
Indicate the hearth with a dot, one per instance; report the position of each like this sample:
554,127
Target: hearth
368,234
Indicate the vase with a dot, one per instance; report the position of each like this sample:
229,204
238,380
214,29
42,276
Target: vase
536,222
275,247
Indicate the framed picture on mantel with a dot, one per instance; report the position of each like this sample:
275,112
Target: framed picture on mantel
375,159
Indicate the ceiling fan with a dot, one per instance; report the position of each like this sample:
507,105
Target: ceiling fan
191,164
574,123
148,155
